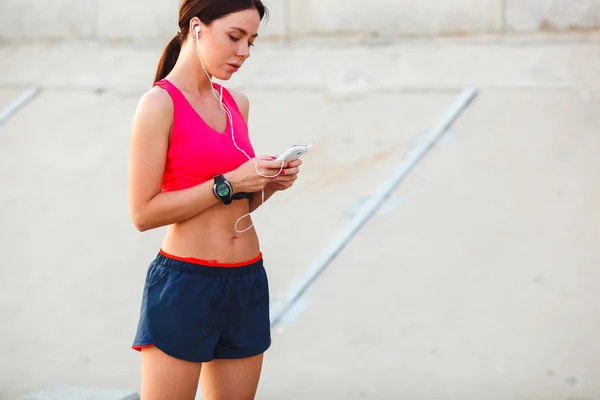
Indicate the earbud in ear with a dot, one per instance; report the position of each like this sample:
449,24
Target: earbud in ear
197,29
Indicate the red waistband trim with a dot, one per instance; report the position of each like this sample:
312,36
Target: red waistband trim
211,263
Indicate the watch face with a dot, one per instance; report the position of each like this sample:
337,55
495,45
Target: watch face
223,190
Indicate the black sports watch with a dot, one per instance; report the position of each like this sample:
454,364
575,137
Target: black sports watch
222,189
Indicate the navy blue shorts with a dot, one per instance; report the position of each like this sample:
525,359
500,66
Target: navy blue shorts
199,312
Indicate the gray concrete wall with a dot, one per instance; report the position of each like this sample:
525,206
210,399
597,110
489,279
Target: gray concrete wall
477,279
137,20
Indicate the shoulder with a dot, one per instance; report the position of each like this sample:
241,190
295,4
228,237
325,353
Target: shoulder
154,113
156,100
242,102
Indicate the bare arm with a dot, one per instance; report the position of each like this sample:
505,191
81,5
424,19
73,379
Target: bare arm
149,208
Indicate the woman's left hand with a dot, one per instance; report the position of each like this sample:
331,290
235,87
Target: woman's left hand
286,177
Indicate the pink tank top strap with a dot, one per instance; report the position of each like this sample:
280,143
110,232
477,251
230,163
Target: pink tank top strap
175,93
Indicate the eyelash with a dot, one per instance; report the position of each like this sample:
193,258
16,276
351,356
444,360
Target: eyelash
236,39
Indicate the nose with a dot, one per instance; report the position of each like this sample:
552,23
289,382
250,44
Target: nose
244,51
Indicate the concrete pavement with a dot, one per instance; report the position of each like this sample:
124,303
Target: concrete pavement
478,274
479,281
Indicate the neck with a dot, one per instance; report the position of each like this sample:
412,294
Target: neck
188,71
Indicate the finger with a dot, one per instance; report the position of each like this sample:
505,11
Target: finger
272,164
264,157
286,178
290,171
265,162
267,168
295,163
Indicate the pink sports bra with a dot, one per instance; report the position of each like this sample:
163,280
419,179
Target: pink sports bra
197,152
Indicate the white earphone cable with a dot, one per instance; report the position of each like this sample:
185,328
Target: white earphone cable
230,118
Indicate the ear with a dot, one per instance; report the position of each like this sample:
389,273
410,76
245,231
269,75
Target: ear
195,27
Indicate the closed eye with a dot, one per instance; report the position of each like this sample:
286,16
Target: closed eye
234,39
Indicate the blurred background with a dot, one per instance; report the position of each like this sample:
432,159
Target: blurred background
442,242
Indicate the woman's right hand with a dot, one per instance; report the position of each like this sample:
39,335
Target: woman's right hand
245,179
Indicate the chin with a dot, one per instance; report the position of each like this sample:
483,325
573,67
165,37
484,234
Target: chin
223,76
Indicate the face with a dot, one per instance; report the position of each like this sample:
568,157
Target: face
225,44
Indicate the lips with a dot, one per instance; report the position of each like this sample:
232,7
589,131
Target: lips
235,66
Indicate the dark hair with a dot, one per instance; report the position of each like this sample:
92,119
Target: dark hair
207,11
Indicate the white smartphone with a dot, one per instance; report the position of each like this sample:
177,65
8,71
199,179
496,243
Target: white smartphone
293,153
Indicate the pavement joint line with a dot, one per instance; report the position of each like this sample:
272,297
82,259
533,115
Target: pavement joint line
17,104
370,207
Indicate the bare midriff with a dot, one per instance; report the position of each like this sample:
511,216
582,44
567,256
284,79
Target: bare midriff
211,235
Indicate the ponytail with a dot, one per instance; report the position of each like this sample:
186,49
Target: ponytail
169,58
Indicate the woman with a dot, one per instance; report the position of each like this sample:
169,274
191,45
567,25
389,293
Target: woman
205,307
